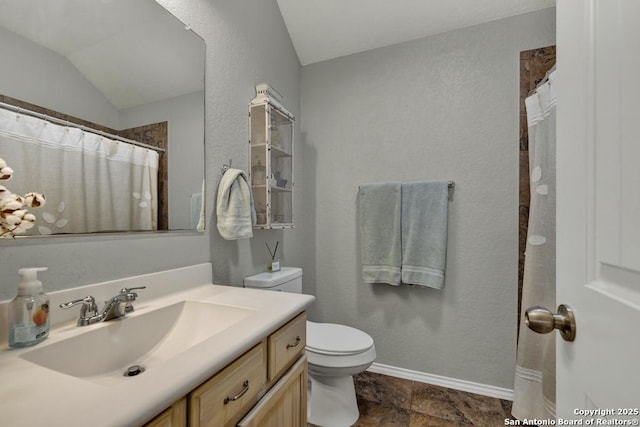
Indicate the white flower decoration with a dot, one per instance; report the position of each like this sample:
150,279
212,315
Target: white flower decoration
14,218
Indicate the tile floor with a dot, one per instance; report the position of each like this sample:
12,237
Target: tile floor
386,401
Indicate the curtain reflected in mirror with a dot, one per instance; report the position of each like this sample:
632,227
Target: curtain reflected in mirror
91,183
131,76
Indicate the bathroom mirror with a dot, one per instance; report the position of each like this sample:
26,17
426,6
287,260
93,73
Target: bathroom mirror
124,67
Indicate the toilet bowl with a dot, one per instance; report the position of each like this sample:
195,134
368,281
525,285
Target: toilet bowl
334,352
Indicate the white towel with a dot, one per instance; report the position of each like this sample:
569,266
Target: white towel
235,211
196,208
380,232
424,232
200,226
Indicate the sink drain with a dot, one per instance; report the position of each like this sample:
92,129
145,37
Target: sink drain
134,370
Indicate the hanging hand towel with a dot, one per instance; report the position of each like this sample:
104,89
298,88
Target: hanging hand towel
235,211
380,232
196,205
201,218
424,232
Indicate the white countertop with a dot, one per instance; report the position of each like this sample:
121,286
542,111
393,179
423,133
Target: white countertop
32,395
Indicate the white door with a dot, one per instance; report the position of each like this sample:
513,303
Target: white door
598,207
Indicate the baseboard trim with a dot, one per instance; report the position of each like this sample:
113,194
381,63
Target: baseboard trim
454,383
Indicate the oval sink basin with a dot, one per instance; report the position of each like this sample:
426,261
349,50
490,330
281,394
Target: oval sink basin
103,354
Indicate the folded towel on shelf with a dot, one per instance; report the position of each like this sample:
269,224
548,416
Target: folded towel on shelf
424,232
380,232
234,207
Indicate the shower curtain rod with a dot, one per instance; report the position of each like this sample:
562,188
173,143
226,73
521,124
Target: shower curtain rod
75,125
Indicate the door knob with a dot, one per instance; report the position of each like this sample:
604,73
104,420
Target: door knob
542,321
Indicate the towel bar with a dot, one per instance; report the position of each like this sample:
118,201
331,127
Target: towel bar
225,168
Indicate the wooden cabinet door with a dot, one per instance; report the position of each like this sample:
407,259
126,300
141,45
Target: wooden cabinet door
174,416
285,405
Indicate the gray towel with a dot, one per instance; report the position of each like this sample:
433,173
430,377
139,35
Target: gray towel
424,232
234,207
380,232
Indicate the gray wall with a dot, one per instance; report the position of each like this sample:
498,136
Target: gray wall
247,43
442,107
43,77
185,115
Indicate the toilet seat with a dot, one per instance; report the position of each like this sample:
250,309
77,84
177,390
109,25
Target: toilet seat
336,340
338,350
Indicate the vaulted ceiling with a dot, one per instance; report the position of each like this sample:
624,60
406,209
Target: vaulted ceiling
326,29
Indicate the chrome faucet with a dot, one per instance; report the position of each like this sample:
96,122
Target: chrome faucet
116,307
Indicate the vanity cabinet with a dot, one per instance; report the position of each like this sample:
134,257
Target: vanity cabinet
174,416
271,134
266,386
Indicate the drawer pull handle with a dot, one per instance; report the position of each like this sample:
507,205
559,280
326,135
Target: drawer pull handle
245,388
298,339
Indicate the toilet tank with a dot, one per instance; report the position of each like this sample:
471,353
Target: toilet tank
288,279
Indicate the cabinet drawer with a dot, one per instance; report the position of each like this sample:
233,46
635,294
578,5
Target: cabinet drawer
223,399
286,344
285,404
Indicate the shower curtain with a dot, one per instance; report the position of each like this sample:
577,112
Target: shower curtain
91,183
534,391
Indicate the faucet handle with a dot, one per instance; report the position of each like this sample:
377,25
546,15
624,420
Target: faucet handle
89,307
88,303
131,296
127,290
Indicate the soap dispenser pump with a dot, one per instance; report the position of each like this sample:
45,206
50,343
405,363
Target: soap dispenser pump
29,311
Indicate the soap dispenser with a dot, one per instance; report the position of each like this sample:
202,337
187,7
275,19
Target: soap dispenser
29,311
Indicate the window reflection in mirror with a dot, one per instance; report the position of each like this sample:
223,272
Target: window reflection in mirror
124,67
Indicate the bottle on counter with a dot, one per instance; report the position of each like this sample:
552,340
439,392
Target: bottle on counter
29,311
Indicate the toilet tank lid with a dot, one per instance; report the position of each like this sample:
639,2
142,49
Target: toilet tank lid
270,280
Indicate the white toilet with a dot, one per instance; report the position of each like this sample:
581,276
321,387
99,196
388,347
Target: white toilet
335,353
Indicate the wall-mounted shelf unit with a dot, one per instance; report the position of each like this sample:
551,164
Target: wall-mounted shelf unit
271,157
